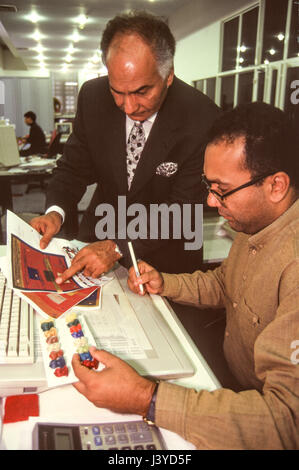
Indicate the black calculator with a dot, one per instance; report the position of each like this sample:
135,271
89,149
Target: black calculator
124,435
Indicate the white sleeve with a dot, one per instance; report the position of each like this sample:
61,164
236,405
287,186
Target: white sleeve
57,209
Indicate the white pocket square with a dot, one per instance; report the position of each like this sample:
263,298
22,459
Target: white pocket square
167,169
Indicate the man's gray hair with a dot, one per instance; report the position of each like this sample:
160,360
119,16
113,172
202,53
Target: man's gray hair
152,30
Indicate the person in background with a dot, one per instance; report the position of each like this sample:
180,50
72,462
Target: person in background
252,175
36,137
138,133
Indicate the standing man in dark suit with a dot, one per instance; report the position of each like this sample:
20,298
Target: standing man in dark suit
36,137
136,134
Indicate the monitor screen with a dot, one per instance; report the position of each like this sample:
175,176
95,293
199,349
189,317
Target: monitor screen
64,128
9,152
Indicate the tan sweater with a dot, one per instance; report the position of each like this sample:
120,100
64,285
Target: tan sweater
258,284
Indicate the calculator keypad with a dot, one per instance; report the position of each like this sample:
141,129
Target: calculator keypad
130,435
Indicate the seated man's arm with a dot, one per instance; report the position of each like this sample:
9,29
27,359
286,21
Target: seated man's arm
200,289
250,419
221,419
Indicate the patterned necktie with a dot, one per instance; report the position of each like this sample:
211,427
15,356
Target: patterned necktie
135,146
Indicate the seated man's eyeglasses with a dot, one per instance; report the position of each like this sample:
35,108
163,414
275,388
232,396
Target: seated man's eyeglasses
222,197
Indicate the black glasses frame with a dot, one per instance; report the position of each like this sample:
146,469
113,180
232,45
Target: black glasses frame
222,197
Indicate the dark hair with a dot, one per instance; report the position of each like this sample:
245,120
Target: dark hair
30,114
152,29
271,141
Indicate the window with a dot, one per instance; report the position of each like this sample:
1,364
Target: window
240,52
211,88
199,85
230,44
273,86
66,92
247,47
294,30
274,30
259,58
227,92
260,85
245,87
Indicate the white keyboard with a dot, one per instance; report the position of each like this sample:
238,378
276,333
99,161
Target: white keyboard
16,327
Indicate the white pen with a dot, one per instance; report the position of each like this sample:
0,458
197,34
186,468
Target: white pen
135,265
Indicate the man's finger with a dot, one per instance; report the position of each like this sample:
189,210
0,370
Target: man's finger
102,356
145,278
80,371
68,273
45,240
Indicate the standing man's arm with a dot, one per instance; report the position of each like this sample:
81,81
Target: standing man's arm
69,180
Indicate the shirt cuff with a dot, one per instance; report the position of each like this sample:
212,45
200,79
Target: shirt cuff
170,407
56,209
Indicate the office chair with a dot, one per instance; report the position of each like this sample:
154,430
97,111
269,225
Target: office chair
55,146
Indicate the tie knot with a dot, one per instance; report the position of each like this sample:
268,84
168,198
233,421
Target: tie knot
139,124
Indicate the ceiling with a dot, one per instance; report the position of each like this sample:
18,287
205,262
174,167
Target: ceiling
46,41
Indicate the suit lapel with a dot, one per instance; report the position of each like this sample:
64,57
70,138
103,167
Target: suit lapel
155,151
116,147
163,132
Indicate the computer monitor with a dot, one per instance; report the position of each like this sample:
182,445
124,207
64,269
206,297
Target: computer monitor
64,128
9,151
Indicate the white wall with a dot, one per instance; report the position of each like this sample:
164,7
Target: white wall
197,55
28,94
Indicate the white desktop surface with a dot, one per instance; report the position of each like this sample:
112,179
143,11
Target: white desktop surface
66,405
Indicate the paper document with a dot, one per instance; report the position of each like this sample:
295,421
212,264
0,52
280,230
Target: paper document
31,272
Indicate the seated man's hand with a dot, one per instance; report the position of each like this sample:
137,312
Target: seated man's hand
94,260
47,225
149,277
118,387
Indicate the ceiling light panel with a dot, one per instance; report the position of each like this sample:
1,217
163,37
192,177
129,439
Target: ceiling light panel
51,24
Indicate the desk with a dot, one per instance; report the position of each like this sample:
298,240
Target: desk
38,169
65,404
60,403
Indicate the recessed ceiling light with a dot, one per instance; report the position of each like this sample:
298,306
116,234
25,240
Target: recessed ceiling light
81,20
95,59
76,36
36,35
39,48
70,49
34,17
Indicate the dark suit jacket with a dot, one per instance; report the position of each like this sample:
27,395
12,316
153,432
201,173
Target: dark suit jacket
96,152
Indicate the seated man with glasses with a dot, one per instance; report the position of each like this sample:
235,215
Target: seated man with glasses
251,171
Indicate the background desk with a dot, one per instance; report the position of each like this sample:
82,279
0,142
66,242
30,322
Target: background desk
22,175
